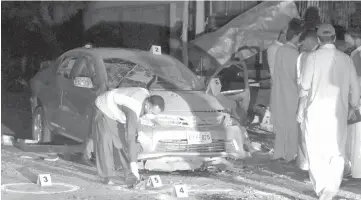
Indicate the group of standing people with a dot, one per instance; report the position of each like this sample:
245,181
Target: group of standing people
315,91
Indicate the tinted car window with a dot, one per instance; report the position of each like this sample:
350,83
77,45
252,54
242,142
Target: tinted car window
66,67
80,68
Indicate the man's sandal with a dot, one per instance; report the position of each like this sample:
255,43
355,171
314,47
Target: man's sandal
107,181
133,182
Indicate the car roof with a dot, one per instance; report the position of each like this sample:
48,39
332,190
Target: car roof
129,54
143,58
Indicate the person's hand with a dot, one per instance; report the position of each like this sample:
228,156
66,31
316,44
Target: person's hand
351,114
143,139
300,116
134,169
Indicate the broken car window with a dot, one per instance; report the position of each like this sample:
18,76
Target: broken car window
169,75
125,73
139,77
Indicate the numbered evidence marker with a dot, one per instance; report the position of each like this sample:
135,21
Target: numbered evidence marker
44,180
157,50
180,191
154,181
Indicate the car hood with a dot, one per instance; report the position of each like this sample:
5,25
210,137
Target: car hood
189,101
259,26
189,109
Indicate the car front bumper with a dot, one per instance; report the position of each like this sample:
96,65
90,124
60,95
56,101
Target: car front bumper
145,156
226,142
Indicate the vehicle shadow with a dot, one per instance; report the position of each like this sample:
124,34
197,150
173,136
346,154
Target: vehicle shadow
16,113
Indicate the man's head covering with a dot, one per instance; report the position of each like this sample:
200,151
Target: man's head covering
326,30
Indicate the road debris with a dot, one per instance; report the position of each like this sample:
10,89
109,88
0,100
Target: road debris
7,140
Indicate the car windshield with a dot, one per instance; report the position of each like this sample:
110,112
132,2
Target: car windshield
156,75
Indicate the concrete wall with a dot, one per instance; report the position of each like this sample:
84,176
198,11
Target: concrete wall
232,7
111,10
175,14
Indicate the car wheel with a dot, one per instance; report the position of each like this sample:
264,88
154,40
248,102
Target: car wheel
40,130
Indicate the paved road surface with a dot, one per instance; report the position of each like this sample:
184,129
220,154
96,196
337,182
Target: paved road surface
254,179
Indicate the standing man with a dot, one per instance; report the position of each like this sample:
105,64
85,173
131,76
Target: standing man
284,96
353,37
124,105
309,43
328,76
272,50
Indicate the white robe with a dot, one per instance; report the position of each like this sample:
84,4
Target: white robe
271,55
326,80
302,158
284,102
354,141
354,136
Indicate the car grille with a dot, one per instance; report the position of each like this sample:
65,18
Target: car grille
190,122
183,146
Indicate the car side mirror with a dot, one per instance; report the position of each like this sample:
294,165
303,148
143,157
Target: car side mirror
83,82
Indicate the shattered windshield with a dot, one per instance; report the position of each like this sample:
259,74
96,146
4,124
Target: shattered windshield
156,75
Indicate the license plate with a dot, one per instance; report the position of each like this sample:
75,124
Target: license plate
199,137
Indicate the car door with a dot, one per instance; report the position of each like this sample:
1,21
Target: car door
235,87
81,101
59,118
43,86
69,117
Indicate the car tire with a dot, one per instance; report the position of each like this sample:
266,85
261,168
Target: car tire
40,130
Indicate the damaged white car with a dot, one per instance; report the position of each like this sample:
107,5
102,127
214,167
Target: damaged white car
195,125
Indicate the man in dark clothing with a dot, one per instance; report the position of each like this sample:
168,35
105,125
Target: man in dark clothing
124,105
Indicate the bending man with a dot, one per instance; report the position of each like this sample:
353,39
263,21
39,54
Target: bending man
124,105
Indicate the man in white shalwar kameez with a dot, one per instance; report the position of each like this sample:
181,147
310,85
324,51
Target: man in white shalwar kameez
272,50
284,95
353,37
309,43
327,79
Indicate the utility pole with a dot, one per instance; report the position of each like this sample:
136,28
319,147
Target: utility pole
185,32
200,18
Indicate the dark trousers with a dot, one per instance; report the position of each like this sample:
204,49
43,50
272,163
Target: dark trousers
114,145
